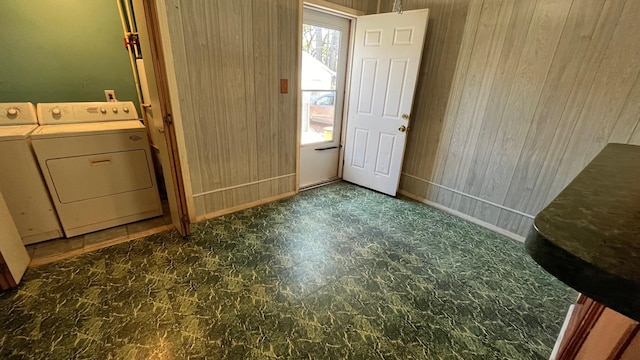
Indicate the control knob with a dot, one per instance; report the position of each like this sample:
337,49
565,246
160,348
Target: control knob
103,110
12,112
56,111
125,109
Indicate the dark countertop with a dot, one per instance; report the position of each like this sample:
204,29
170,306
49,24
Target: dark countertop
589,236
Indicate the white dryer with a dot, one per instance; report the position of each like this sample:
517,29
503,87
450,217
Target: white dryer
96,161
21,182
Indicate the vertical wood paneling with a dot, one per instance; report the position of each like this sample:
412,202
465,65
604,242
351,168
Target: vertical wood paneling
287,113
442,44
564,70
628,120
606,97
498,42
251,130
366,6
264,25
510,58
240,132
489,39
229,124
540,87
457,89
565,125
635,137
540,45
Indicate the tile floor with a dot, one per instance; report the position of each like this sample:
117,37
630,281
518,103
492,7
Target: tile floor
337,272
58,249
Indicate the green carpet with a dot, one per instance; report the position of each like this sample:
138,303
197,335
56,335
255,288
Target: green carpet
338,272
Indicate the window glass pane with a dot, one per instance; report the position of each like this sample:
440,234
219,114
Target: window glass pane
318,114
320,49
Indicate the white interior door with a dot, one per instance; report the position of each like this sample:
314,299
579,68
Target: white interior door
386,61
324,61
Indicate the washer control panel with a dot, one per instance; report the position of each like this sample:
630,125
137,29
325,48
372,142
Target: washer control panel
85,112
17,114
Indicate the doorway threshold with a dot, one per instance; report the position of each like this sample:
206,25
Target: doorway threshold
317,185
64,248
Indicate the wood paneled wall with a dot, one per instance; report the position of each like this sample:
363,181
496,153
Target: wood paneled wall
239,131
513,99
540,87
367,6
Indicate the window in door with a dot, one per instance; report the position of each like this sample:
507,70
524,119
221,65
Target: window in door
323,67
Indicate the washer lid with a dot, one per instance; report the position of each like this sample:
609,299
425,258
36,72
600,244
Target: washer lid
16,132
85,129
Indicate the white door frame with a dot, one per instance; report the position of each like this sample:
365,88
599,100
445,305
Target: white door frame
318,167
352,15
347,91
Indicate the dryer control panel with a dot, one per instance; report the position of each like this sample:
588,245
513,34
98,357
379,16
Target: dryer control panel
23,113
85,112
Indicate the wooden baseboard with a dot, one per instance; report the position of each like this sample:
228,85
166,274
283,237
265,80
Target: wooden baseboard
464,216
245,206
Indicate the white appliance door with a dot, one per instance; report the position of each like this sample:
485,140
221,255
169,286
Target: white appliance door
88,177
386,60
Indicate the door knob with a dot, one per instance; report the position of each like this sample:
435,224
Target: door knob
402,128
405,116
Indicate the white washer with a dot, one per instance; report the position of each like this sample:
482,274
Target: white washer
96,161
21,182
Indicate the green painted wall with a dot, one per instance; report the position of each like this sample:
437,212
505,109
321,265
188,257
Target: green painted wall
62,50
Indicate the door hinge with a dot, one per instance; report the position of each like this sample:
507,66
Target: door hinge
131,39
168,119
186,224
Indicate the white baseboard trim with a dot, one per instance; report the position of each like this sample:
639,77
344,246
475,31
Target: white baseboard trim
464,216
320,184
470,196
243,185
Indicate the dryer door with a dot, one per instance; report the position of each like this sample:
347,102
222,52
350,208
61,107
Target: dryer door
100,180
92,176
